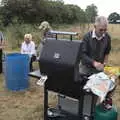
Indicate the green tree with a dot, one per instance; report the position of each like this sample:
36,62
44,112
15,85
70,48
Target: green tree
91,13
26,11
113,17
35,11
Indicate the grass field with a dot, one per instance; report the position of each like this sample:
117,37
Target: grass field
28,104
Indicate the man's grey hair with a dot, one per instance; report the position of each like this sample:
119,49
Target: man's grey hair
101,20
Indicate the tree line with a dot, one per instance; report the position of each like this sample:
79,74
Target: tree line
18,17
35,11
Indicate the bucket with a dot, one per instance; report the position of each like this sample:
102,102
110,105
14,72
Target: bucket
16,69
101,114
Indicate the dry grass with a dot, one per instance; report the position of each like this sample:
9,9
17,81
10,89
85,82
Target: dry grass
28,104
23,105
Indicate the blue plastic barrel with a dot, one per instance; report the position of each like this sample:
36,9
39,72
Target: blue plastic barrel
16,69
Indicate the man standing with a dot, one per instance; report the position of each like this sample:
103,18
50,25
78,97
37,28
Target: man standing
44,29
96,47
1,49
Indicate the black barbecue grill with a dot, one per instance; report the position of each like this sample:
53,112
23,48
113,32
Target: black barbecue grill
60,60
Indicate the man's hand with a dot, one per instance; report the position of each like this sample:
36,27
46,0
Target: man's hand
98,65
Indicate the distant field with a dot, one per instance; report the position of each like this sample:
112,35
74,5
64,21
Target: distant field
28,105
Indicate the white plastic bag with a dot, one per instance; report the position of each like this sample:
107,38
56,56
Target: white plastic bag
100,84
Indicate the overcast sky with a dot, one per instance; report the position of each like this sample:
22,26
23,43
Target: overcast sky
105,7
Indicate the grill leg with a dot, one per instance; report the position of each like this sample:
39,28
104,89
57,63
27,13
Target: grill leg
45,103
89,103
